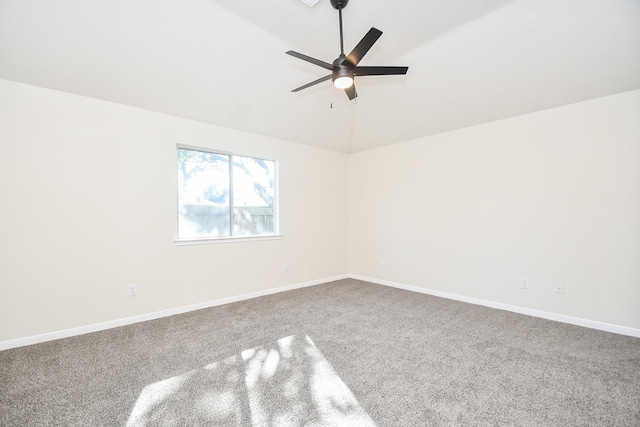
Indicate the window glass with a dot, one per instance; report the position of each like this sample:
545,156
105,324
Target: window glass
252,196
223,195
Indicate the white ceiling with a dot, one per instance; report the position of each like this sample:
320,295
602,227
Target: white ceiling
223,61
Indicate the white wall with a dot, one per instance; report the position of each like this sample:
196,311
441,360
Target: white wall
88,194
550,196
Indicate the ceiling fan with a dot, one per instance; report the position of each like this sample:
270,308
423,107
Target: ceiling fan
345,67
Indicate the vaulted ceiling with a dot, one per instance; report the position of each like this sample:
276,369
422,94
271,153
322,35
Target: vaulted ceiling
223,61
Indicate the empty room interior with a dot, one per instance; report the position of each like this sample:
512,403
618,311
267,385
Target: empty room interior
201,226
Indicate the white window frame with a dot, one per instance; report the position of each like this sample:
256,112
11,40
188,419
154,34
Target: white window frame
230,239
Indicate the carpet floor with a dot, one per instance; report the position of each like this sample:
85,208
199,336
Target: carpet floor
345,353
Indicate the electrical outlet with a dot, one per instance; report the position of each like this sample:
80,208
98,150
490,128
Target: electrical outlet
285,267
133,290
524,283
559,288
381,262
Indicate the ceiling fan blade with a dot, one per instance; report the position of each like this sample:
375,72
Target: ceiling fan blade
310,59
380,71
363,46
351,91
315,82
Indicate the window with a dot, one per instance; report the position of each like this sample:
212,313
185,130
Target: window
224,195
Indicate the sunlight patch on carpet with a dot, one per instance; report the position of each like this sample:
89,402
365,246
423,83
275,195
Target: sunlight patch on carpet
282,384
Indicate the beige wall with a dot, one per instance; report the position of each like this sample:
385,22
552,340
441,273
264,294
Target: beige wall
550,196
88,193
89,206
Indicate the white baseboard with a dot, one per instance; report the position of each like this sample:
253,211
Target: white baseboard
593,324
36,339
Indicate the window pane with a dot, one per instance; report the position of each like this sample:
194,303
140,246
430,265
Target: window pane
253,196
203,194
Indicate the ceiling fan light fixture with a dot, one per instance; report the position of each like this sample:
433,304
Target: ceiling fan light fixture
342,77
343,82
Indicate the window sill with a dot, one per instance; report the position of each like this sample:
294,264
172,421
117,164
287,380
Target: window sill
229,239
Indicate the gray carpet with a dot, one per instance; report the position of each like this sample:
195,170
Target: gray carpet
346,353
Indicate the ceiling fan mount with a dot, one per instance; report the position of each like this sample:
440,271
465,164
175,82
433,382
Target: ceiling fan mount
345,67
339,4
